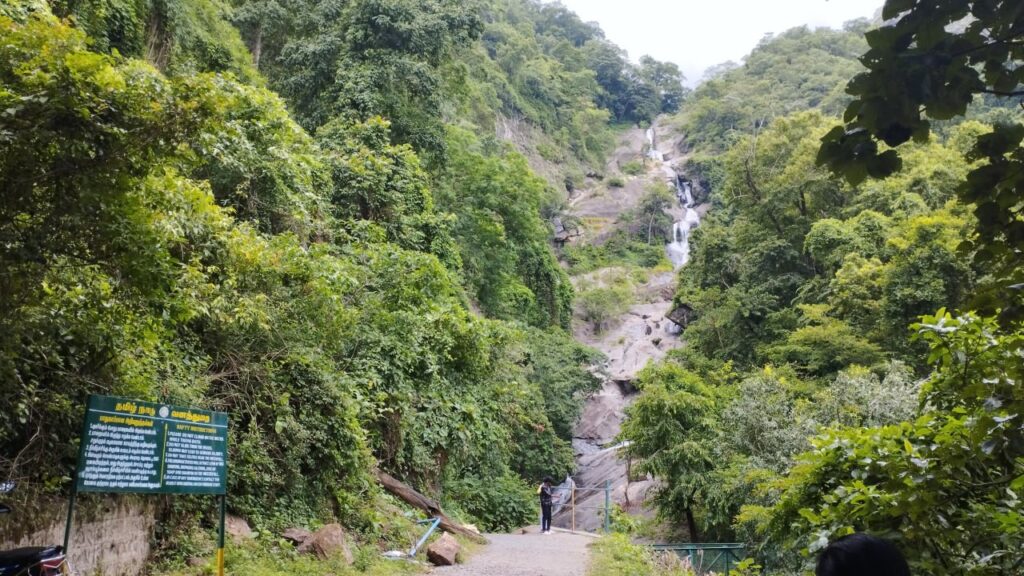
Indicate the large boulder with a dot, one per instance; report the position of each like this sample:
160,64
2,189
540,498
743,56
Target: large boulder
327,542
237,527
443,551
296,536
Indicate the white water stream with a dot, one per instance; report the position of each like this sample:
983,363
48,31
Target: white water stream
643,334
679,248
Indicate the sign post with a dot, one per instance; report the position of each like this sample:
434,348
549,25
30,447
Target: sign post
130,446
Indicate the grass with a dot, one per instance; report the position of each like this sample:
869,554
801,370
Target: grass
257,558
633,168
615,555
618,250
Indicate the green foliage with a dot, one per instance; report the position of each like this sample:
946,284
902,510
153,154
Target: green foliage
943,482
618,249
614,555
560,367
823,345
495,504
784,238
371,58
633,168
670,429
181,37
181,239
667,81
383,184
616,181
607,296
265,557
257,161
800,69
651,221
497,201
930,64
803,284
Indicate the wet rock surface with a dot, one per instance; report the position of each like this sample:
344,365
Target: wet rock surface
641,335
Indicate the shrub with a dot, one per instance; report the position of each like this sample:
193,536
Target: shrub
496,504
633,168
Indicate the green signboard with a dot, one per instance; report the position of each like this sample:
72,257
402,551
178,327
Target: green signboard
151,448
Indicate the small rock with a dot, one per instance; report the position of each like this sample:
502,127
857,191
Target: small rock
296,536
443,551
471,528
326,542
237,527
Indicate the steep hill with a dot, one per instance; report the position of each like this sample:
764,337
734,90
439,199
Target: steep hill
309,215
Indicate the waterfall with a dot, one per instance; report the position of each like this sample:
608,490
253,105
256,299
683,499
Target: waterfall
679,249
652,152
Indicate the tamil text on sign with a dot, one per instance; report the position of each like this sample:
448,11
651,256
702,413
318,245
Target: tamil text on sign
146,447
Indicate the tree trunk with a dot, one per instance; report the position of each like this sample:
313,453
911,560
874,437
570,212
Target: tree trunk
257,47
691,525
414,498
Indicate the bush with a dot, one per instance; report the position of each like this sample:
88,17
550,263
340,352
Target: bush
615,555
619,249
495,504
633,168
616,182
599,304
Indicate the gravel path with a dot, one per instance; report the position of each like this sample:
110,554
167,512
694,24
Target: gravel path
530,554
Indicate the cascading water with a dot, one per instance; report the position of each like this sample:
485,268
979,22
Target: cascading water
679,249
653,152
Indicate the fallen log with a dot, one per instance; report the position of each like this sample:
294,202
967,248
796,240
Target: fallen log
414,498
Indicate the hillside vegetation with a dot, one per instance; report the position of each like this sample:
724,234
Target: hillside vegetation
836,378
304,214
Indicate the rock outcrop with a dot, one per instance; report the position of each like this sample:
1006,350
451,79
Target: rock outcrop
237,527
296,536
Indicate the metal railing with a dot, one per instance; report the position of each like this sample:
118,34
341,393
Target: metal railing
704,558
570,502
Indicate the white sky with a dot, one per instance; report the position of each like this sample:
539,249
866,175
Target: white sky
696,34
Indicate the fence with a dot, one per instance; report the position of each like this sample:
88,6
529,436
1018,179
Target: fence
705,558
565,495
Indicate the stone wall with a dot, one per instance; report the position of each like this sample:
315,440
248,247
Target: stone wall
111,535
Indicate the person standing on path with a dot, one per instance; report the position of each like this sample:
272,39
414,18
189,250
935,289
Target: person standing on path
545,505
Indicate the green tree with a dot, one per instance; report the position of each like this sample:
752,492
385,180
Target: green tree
929,63
667,80
942,483
671,430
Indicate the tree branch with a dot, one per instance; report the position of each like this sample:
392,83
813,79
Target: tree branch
1013,94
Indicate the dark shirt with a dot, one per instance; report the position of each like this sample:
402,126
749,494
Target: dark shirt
545,495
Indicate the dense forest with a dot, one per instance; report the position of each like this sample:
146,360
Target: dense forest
327,218
853,359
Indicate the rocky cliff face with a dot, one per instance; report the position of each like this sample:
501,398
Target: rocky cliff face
641,335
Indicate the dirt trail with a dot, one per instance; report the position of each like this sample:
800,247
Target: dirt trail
530,554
